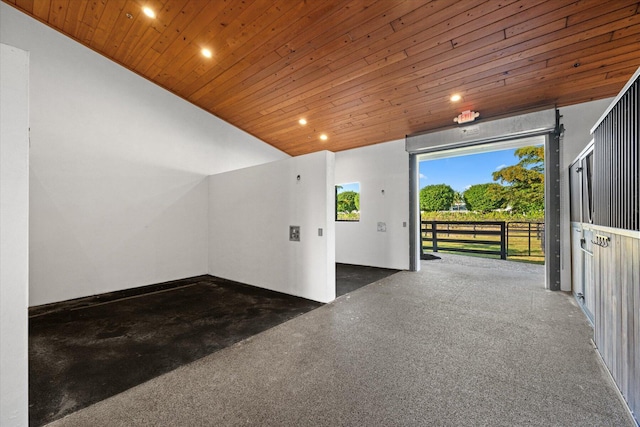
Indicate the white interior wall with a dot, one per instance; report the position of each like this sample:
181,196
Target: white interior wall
119,166
14,235
250,211
377,167
577,120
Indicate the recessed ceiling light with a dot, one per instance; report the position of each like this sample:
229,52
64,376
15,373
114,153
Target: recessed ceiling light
324,137
206,53
149,12
302,121
455,98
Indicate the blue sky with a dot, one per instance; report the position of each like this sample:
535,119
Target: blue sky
463,171
350,187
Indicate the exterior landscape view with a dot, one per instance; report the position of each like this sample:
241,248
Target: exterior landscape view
488,204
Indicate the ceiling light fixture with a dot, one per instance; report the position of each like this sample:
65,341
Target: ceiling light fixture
302,122
206,53
149,12
455,98
324,137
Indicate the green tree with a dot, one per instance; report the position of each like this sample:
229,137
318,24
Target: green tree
348,201
438,197
484,197
523,183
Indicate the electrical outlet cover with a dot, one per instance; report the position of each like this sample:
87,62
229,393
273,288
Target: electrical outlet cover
294,233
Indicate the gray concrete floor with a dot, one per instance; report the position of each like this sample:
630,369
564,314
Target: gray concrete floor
465,341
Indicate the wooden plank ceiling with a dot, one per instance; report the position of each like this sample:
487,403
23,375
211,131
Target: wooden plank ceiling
360,71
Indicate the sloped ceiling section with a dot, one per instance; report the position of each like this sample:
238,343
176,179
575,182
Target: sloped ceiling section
360,72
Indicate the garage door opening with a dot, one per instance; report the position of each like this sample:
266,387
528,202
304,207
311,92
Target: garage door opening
486,201
536,128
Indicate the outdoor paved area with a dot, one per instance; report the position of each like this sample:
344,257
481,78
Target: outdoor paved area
465,341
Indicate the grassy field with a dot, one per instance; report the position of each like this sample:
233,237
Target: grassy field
348,216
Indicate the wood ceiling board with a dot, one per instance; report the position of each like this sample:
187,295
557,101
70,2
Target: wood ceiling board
610,62
174,30
24,4
498,35
349,73
40,9
394,81
180,44
350,60
58,13
298,65
106,23
264,65
136,38
602,50
543,100
215,37
74,17
362,71
233,52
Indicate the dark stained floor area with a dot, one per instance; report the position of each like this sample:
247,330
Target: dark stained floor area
351,277
85,350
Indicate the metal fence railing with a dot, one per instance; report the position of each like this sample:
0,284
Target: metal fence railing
532,232
518,239
475,237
